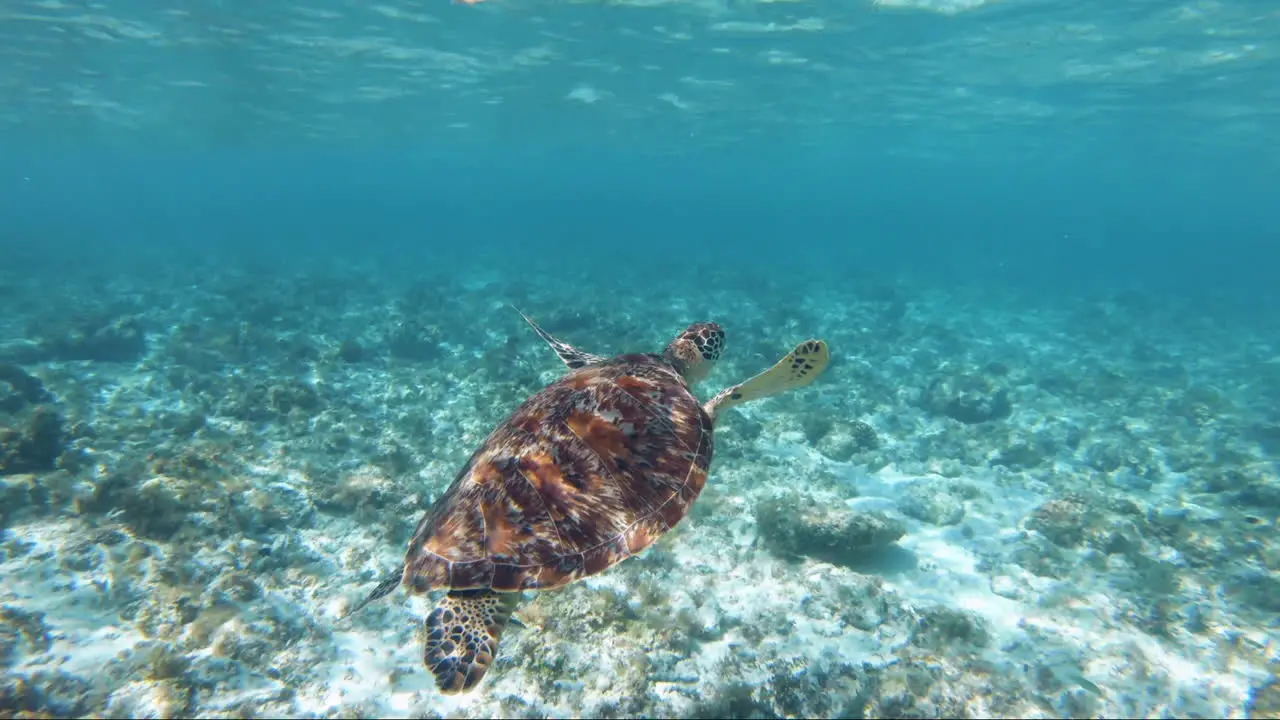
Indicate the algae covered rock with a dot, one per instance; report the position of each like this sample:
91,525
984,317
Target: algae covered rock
351,351
413,340
18,493
1122,451
1025,452
968,397
1264,698
941,628
1107,525
1063,520
797,524
35,445
366,493
263,399
287,396
149,698
936,502
22,630
18,389
96,338
845,440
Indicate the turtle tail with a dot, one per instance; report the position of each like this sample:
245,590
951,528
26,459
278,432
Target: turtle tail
383,589
462,637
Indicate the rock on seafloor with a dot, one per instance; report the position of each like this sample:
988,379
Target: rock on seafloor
800,524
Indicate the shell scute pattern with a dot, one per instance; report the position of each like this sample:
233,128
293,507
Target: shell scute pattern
585,473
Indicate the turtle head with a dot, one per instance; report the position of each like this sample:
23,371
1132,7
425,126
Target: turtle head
695,351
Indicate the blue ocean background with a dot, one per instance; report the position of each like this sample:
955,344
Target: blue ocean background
1086,212
255,267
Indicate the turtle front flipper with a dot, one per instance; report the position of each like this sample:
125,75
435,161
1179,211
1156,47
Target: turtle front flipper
798,368
572,356
462,637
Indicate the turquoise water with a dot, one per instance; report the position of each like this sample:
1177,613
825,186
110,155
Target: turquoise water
256,270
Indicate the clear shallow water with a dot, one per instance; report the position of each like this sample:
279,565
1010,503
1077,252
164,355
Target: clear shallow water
1073,143
663,73
1068,205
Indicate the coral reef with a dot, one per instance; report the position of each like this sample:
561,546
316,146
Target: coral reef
203,466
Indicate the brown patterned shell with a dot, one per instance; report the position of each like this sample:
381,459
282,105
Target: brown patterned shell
587,472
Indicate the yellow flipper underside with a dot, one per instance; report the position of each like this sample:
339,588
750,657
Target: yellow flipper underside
799,368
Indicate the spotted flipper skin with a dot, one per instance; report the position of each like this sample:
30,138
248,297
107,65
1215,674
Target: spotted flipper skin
462,637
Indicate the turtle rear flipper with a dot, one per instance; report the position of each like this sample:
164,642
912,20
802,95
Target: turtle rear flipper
572,356
798,368
462,637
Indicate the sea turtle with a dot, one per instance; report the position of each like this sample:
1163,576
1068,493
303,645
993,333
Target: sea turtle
587,472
